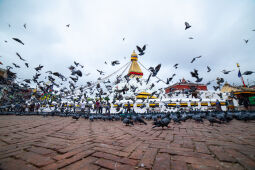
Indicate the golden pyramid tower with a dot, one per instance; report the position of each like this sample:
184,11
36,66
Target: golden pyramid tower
135,70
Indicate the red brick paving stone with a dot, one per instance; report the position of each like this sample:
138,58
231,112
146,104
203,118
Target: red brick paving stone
202,167
199,161
115,158
162,161
112,151
103,169
248,152
85,163
178,165
202,148
66,162
13,164
2,156
242,159
232,166
71,153
188,143
27,131
69,148
50,146
35,159
112,164
186,153
39,150
131,147
137,154
221,154
109,146
148,158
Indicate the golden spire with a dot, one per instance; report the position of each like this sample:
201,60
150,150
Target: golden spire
135,70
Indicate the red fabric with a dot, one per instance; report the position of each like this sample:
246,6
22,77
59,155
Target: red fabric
135,73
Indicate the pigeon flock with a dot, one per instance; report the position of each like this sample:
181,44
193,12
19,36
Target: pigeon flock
55,89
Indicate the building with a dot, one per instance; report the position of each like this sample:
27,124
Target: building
3,73
227,88
145,95
185,85
6,76
135,70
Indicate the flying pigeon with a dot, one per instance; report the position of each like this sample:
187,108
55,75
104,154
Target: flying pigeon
15,65
208,69
115,62
195,59
27,65
18,40
155,70
20,57
226,72
38,68
100,72
248,72
141,50
187,26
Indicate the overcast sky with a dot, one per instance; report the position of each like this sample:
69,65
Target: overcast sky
97,28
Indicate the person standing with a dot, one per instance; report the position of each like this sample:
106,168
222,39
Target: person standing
108,108
246,103
37,107
128,107
218,105
82,108
100,107
97,106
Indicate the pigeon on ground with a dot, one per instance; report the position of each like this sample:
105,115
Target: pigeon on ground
128,121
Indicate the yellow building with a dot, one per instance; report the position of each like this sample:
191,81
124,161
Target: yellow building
227,88
145,95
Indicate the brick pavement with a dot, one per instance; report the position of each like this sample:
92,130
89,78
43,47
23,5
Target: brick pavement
34,142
